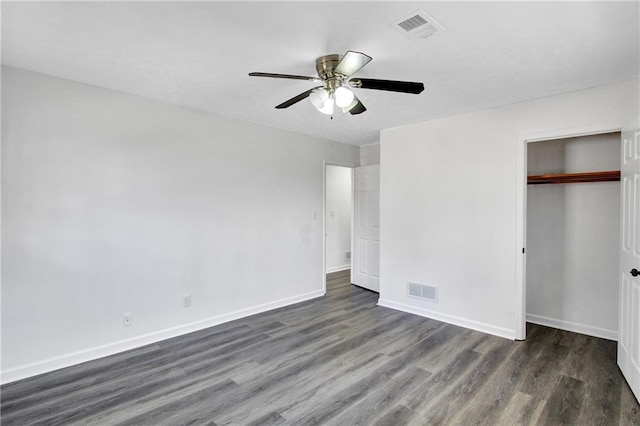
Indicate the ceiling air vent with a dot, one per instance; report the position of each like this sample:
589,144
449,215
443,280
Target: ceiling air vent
418,26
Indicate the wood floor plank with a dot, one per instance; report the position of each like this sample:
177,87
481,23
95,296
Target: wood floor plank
64,381
318,364
332,409
381,399
564,404
574,365
521,409
184,409
542,374
156,377
268,419
162,396
493,397
307,393
440,357
601,404
463,393
339,364
425,397
338,360
629,407
398,415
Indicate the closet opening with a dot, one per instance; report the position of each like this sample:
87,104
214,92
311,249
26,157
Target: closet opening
572,233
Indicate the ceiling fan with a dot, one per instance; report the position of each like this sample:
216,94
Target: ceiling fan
334,72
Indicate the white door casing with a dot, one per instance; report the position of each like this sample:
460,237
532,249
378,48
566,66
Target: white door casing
521,208
629,305
365,270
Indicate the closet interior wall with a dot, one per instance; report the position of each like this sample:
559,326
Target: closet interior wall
573,233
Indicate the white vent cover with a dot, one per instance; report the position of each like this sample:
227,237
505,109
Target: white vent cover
422,291
418,25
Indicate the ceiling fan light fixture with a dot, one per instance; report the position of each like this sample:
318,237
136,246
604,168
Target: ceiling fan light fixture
327,108
322,100
319,97
343,97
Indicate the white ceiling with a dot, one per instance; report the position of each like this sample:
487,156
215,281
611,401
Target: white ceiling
198,54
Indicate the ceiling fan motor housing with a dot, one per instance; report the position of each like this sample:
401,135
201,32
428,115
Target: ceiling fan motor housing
325,66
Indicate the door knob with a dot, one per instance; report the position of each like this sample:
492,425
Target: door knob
634,272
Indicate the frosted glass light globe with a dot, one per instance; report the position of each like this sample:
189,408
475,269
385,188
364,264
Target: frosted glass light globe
343,96
327,108
319,97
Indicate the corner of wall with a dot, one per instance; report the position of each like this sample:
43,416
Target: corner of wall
370,154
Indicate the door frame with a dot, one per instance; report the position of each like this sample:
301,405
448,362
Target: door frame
521,208
348,165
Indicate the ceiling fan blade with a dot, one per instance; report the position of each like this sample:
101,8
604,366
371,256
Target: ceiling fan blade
388,85
351,63
287,76
356,107
295,99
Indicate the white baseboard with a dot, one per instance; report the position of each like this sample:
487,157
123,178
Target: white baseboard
338,268
589,330
90,354
451,319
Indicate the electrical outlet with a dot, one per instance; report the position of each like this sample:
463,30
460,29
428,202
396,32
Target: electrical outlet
186,300
127,319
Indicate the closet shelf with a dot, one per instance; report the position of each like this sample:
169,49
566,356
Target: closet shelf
608,176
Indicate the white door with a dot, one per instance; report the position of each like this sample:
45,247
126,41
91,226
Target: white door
629,321
366,259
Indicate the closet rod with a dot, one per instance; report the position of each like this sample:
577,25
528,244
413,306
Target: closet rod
608,176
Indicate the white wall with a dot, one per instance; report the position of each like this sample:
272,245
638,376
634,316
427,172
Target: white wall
338,218
449,199
113,203
573,237
369,154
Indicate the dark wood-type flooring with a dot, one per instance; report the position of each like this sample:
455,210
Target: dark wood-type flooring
338,360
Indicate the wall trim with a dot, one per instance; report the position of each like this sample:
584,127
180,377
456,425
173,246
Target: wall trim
450,319
90,354
575,327
338,268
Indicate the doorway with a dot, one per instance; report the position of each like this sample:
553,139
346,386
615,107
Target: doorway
521,207
338,218
572,228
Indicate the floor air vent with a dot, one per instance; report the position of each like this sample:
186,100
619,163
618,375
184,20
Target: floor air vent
418,26
423,291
